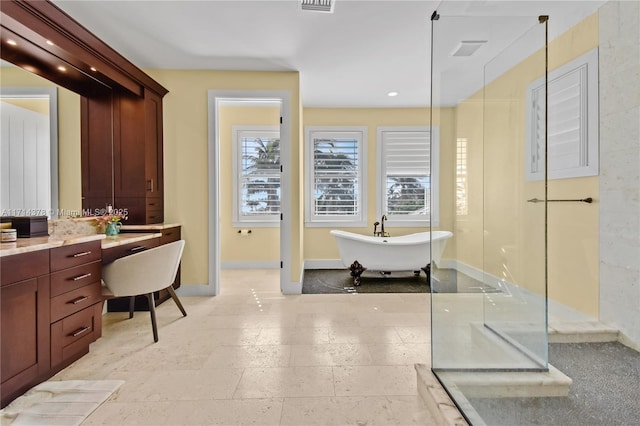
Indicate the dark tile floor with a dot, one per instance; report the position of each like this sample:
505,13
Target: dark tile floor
317,281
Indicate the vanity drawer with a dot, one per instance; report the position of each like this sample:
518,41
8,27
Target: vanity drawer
19,267
170,235
73,278
71,336
69,256
154,216
113,253
75,300
154,203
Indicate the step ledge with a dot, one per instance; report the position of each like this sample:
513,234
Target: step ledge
517,384
438,402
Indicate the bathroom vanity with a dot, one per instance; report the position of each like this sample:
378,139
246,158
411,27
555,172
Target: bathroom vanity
51,307
51,299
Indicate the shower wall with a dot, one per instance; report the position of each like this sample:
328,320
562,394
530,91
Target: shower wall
573,229
619,167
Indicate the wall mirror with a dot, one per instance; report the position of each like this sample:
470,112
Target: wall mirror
29,151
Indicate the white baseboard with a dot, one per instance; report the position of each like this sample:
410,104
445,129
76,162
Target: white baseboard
250,264
195,290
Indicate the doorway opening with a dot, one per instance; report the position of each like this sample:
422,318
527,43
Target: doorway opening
249,181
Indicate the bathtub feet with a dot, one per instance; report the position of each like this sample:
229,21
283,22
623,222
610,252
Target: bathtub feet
356,270
427,271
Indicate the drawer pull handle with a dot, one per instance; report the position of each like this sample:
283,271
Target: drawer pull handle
84,253
79,299
80,331
137,248
82,277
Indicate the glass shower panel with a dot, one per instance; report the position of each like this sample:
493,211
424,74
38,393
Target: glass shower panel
488,295
488,301
514,230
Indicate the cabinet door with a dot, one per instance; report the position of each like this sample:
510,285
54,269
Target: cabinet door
128,147
153,144
96,152
25,339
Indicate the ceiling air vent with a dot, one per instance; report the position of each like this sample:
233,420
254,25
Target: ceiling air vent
317,5
468,47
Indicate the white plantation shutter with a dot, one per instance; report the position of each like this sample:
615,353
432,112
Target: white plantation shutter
572,127
406,153
335,176
335,167
408,175
256,163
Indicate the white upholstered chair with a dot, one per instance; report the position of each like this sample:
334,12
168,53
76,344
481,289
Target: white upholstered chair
142,274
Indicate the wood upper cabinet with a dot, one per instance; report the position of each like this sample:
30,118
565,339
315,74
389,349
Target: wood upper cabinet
130,160
96,151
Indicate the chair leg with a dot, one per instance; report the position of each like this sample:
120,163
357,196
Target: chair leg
152,312
132,304
174,296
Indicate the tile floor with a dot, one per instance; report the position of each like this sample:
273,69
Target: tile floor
254,356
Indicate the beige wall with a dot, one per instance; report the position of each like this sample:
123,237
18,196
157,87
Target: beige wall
319,244
503,234
185,156
573,268
263,244
69,172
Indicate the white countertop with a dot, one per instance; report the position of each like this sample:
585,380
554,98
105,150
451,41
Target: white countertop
151,227
121,239
25,245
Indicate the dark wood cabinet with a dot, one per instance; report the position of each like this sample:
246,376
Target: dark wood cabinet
133,154
24,343
50,311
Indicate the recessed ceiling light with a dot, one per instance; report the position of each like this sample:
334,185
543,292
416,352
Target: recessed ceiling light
61,68
50,43
468,47
12,42
93,69
392,94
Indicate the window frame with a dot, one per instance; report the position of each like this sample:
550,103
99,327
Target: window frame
587,66
311,219
238,219
431,220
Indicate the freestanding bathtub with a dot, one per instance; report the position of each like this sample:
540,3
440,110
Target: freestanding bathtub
412,252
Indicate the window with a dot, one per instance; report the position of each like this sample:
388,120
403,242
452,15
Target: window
256,171
408,180
462,188
335,159
573,121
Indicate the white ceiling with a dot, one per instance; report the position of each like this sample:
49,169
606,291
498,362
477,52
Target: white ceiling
350,58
